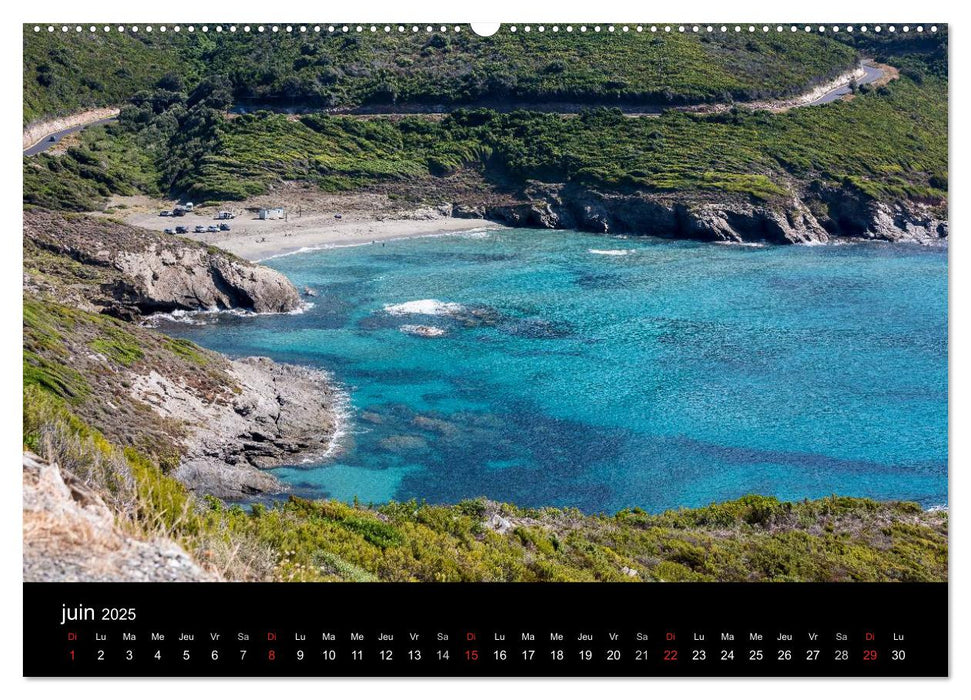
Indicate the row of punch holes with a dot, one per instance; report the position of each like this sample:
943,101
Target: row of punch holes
414,28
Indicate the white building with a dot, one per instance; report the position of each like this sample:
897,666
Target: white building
274,213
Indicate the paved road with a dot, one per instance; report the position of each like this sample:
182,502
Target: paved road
872,74
46,142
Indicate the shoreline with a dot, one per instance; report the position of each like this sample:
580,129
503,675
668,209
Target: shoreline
280,240
313,221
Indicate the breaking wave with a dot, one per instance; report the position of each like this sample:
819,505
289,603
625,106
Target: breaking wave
424,307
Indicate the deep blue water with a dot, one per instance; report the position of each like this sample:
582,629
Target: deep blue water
674,375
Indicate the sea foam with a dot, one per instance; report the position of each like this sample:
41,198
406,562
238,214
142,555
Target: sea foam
614,251
425,307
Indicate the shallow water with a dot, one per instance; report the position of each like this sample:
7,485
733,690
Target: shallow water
605,372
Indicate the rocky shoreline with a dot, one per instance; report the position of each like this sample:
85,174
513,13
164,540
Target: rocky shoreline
818,216
132,272
219,422
280,414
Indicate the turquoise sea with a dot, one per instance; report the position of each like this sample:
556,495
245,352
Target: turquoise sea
608,372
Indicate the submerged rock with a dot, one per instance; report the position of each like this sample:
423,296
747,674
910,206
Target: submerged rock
424,331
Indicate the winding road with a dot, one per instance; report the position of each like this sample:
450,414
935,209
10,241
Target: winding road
872,73
55,137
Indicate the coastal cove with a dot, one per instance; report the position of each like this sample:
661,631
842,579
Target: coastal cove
559,368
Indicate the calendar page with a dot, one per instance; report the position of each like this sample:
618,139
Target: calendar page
485,350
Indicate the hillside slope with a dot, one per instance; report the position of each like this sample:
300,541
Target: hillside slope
69,71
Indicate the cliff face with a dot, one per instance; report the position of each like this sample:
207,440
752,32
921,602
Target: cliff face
131,272
813,217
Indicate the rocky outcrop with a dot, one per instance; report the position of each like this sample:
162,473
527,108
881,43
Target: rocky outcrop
854,215
70,535
814,217
279,414
214,423
143,272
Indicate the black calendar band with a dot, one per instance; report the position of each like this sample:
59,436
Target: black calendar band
341,630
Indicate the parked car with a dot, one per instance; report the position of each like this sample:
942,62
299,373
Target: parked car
165,212
181,229
212,229
200,229
223,227
170,230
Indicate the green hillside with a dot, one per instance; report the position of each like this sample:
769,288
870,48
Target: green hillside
67,72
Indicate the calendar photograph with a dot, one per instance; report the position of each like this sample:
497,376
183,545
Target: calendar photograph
524,304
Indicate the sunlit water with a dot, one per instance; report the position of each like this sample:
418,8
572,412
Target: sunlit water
600,372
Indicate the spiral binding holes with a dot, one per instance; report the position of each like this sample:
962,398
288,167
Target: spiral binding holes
513,29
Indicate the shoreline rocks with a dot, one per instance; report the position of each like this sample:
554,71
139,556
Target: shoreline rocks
279,414
817,216
219,422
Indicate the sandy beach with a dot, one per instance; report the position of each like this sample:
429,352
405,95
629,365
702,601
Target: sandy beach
326,223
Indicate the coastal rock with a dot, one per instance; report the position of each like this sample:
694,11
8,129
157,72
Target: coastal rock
70,535
280,414
815,216
143,272
858,216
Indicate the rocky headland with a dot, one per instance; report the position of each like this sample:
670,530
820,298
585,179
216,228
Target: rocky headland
130,272
215,423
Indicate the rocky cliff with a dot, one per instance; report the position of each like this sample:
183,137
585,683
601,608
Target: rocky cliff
815,216
131,272
277,414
